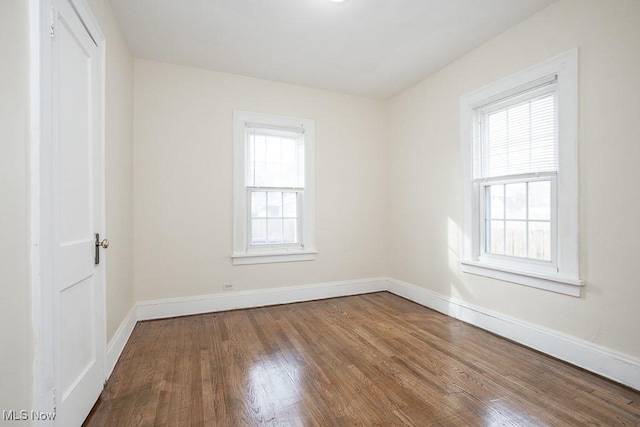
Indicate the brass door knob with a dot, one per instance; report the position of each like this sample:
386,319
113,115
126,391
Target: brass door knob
99,244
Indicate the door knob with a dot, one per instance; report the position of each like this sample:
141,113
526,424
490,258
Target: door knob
99,244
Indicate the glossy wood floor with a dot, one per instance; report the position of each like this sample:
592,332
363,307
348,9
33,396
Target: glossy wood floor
365,360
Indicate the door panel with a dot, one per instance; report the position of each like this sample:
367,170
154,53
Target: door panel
79,333
77,194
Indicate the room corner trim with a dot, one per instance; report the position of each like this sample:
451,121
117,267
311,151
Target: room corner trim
173,307
617,366
119,340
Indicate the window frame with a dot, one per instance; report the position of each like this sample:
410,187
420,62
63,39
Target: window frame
244,252
562,275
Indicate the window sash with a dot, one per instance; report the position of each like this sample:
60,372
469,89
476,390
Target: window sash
547,160
517,262
299,243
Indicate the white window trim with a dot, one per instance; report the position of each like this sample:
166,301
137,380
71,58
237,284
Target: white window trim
566,279
242,254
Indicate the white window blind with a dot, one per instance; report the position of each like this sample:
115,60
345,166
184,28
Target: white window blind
517,135
276,157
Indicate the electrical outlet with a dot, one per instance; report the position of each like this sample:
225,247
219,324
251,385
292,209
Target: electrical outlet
227,286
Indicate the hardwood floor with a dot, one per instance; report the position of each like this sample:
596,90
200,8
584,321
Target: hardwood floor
365,360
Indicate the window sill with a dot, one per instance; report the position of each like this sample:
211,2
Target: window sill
559,284
246,258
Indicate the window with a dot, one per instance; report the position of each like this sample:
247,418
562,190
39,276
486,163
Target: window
273,189
519,145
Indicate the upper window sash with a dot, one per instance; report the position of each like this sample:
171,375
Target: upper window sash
517,134
275,156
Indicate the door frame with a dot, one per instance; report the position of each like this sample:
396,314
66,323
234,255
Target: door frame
44,366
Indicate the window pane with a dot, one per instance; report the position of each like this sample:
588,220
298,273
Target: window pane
274,230
258,231
496,200
258,204
274,202
540,240
523,202
516,200
540,200
516,238
495,233
290,230
274,217
290,205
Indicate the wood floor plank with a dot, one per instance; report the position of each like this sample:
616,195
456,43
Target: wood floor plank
373,359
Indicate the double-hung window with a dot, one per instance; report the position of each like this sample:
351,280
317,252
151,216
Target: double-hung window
520,167
273,194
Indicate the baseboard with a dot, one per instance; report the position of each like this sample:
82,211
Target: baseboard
172,307
119,340
619,367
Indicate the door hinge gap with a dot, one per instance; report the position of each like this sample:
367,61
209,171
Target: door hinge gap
52,31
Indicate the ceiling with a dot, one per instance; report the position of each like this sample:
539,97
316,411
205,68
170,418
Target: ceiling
371,48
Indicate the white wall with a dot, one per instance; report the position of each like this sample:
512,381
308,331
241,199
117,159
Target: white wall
15,304
425,172
119,167
183,181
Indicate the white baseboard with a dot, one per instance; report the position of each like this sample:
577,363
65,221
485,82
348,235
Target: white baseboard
172,307
620,367
611,364
119,340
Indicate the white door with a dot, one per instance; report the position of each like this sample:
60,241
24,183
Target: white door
78,300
